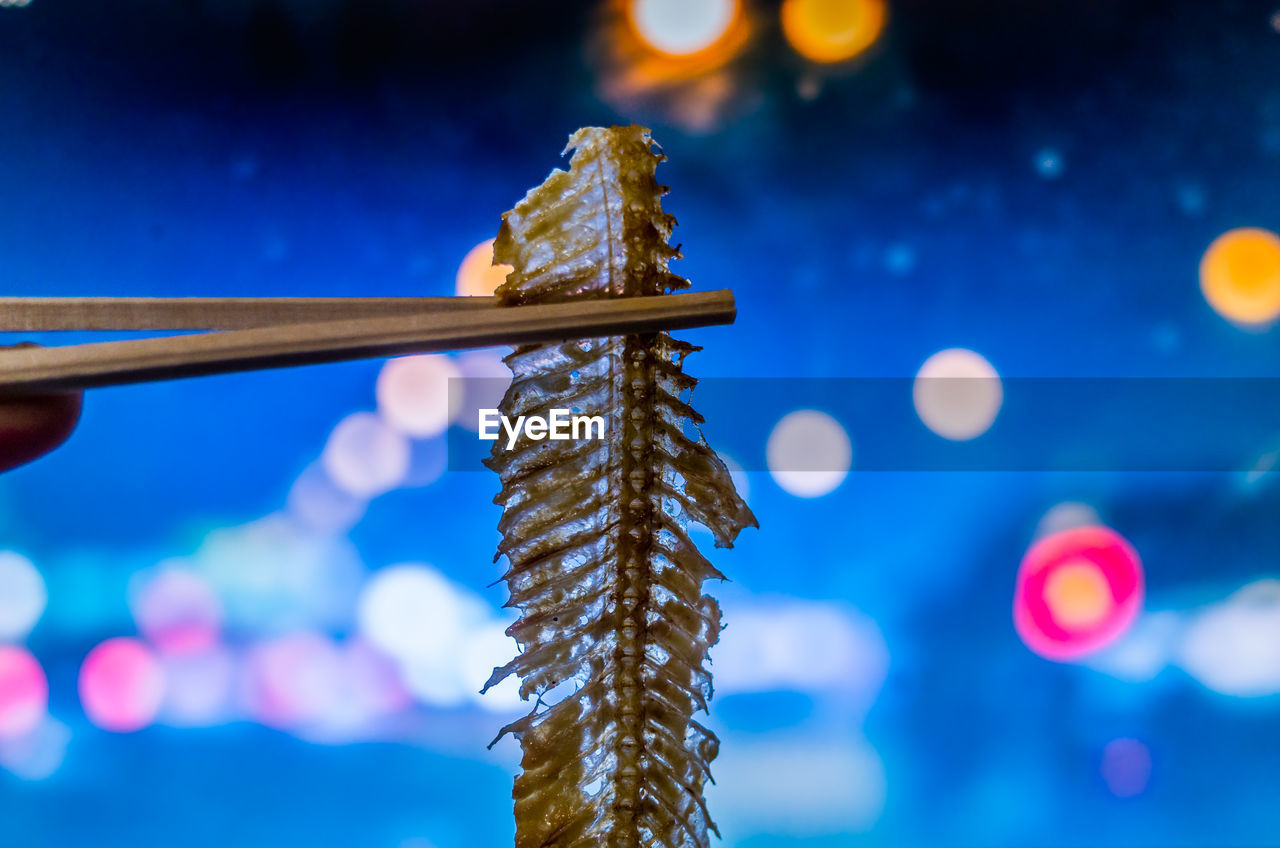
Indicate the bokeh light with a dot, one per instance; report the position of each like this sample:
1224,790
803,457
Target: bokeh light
414,394
1145,650
411,610
1077,591
487,647
477,275
832,30
1234,647
672,58
1066,516
121,685
320,505
273,575
22,596
808,453
485,380
957,394
321,689
797,787
175,609
1240,276
38,754
1126,767
291,680
801,646
199,688
682,27
365,456
24,692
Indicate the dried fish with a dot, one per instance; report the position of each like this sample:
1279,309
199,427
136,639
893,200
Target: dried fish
602,569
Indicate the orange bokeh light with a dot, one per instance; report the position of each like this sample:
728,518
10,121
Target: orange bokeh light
477,275
1240,275
832,30
1078,595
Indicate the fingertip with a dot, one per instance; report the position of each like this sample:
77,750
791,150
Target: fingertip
30,427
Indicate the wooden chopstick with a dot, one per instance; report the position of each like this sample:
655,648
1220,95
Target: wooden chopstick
37,314
31,370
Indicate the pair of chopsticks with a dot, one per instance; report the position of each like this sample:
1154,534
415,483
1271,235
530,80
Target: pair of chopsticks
256,333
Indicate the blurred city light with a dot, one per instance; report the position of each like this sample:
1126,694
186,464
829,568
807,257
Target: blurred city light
1077,591
176,610
682,27
24,692
273,576
290,680
1066,516
485,378
957,394
1145,650
199,688
413,394
798,787
121,685
477,275
37,754
319,505
829,31
672,58
1240,276
1126,767
412,610
1234,647
801,646
365,456
808,453
22,596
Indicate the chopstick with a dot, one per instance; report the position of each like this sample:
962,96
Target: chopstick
31,370
37,314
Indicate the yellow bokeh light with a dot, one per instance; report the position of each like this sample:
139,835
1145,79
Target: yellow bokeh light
682,27
1077,595
832,30
477,275
1240,275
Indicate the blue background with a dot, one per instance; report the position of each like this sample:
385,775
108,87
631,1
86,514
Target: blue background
361,148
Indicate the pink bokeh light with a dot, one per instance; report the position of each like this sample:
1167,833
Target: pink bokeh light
178,611
1077,591
24,692
121,685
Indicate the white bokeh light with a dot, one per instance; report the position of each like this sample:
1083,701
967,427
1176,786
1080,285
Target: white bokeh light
801,646
1066,515
489,647
1234,647
39,753
198,688
318,504
809,454
957,394
681,27
417,616
413,394
365,456
22,596
485,381
798,787
1144,651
